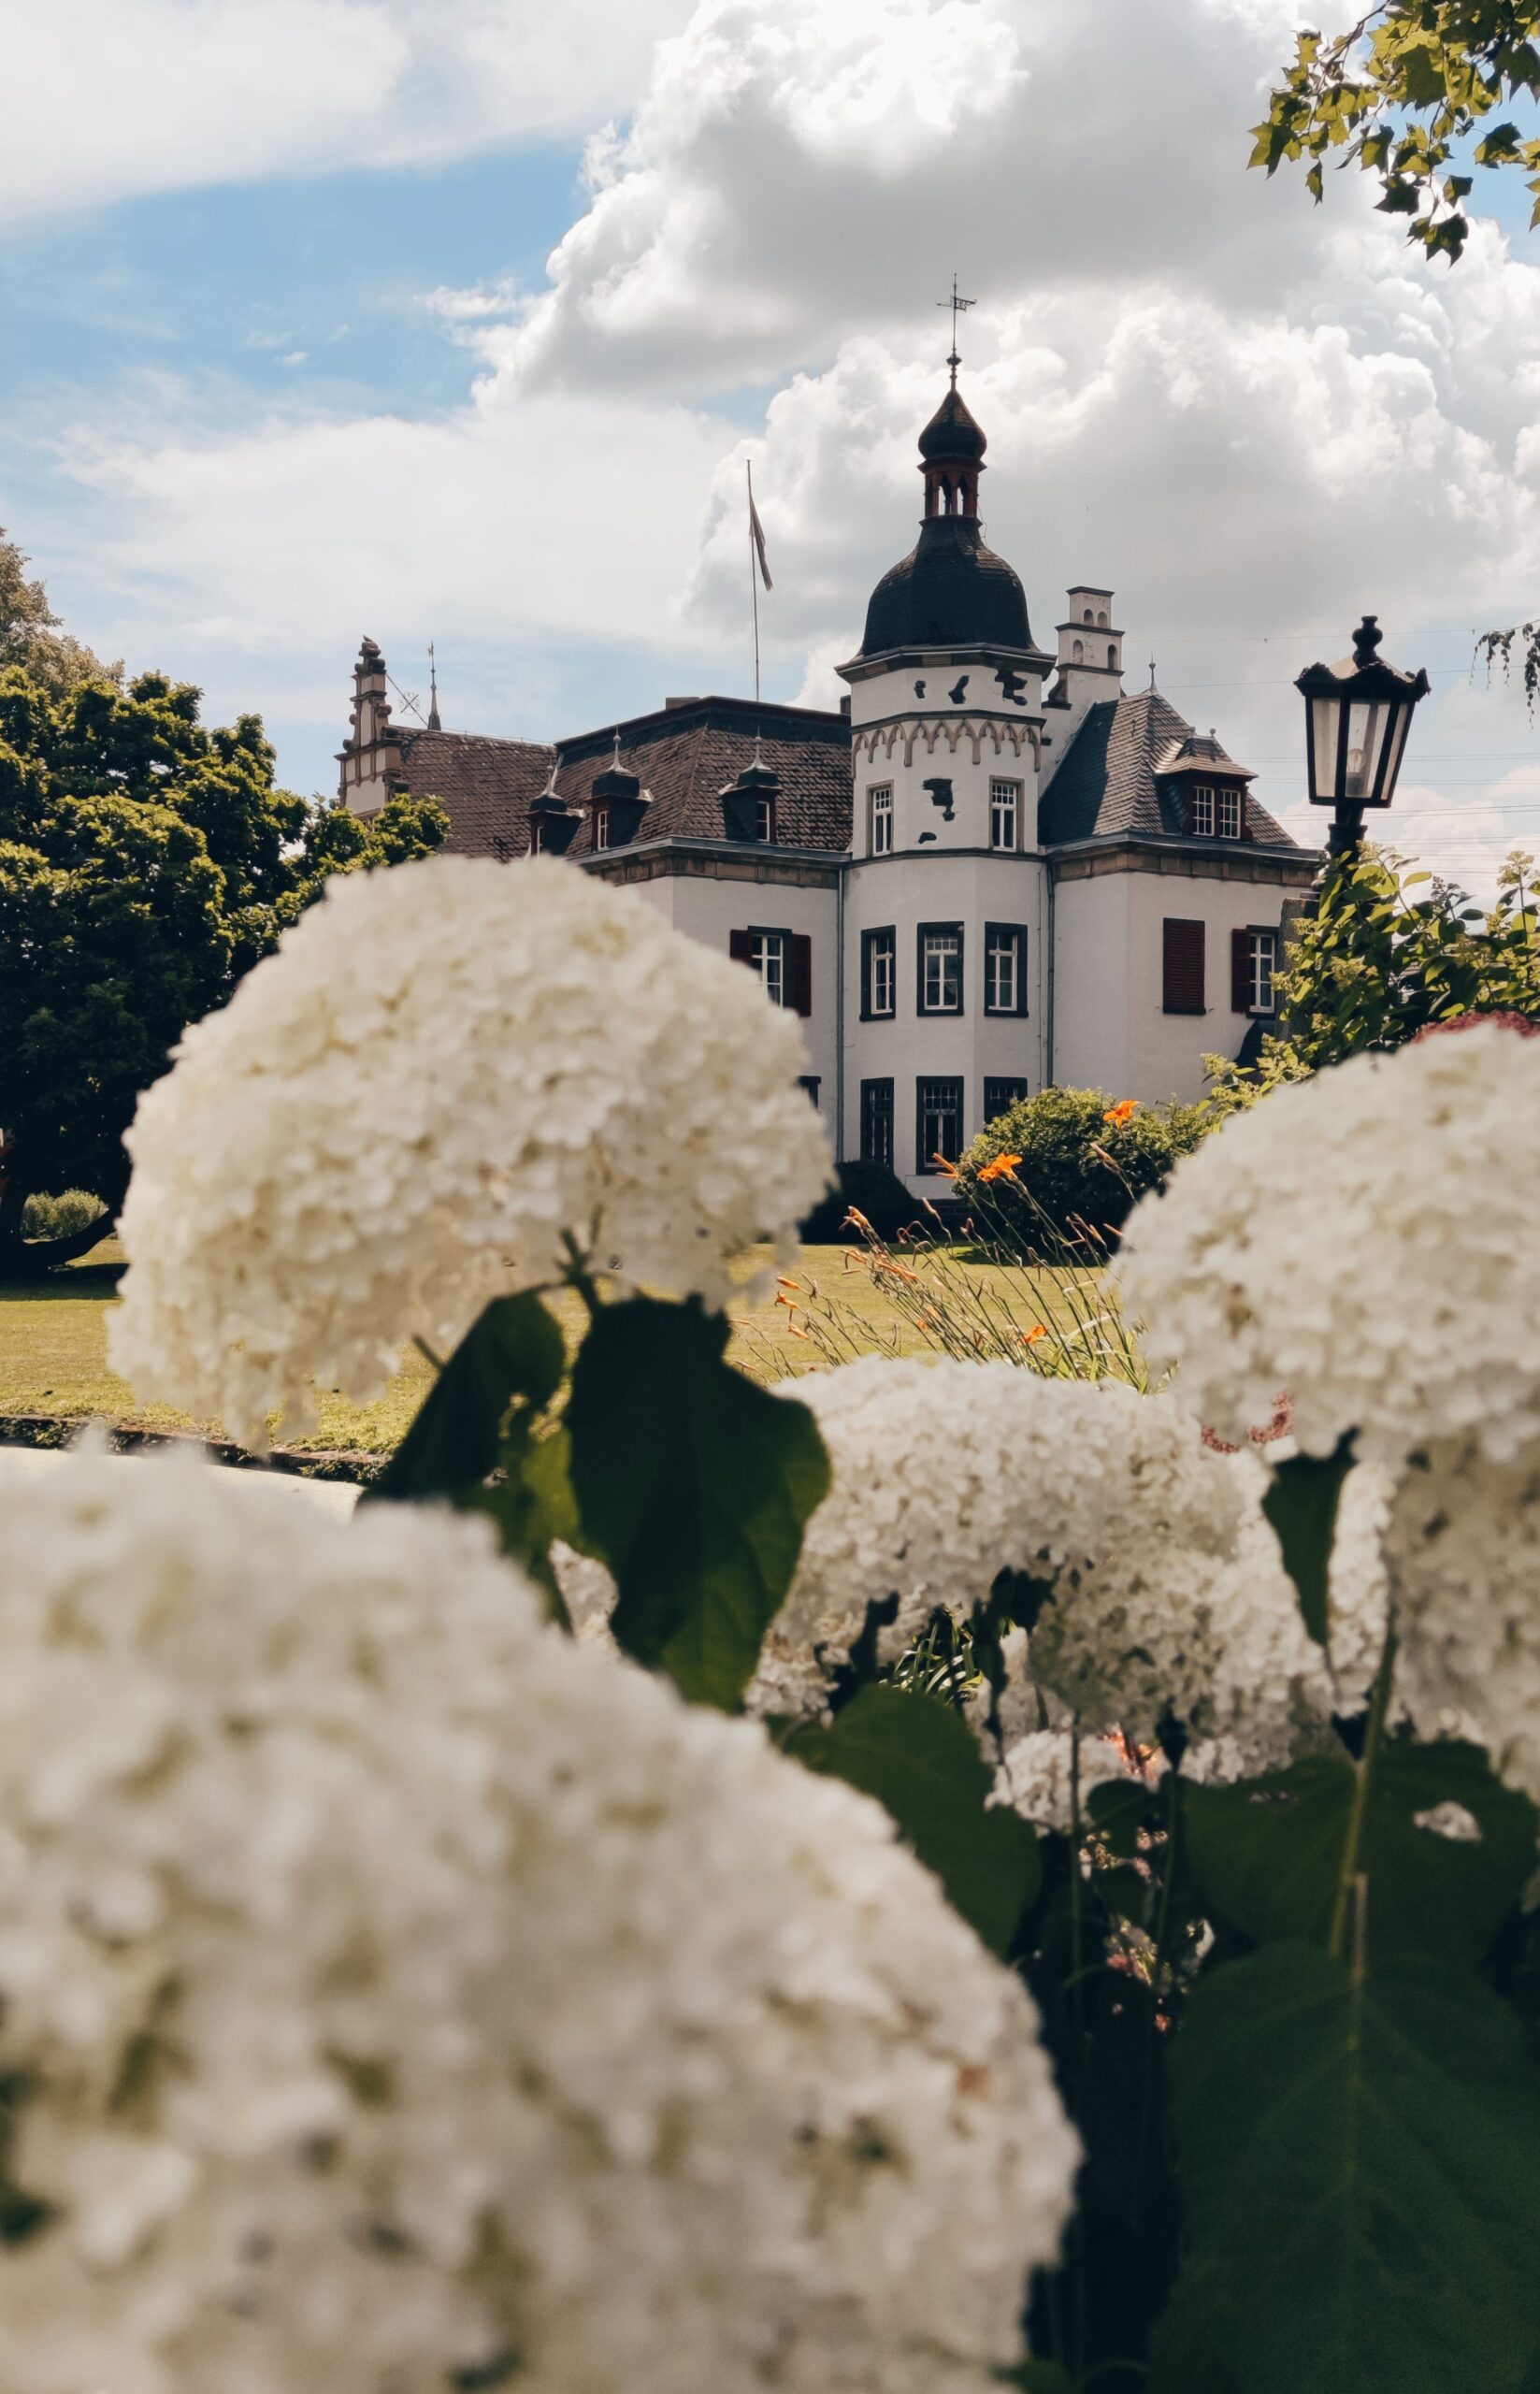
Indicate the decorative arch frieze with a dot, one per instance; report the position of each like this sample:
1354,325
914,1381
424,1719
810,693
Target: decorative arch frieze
928,733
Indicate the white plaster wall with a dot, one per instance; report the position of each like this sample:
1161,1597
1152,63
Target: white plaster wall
1110,1029
905,892
711,911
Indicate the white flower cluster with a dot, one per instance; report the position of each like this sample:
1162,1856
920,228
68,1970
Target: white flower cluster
1168,1585
1040,1774
445,1069
396,1995
1464,1545
1368,1240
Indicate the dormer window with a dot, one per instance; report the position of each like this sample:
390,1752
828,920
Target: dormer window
1200,812
537,838
764,818
1229,815
602,827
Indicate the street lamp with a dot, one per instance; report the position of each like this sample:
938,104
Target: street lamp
1357,717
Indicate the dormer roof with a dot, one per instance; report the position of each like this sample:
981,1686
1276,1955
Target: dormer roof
1200,752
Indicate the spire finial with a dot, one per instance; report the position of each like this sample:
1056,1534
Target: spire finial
615,758
551,790
957,305
1152,672
759,750
433,722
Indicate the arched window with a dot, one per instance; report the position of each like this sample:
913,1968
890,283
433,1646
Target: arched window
1077,654
1102,619
1112,658
1087,616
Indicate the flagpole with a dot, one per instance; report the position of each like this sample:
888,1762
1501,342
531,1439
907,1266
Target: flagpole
753,579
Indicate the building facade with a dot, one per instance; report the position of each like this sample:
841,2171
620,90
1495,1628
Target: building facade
990,870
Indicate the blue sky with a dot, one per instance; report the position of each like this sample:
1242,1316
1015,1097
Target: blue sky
237,430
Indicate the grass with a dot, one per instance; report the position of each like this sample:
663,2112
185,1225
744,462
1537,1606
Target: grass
53,1341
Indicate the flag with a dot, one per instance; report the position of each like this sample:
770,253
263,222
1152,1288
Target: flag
756,533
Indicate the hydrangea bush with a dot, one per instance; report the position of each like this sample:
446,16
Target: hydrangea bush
399,1991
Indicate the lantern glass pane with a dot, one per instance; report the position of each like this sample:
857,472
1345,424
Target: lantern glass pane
1397,743
1323,750
1367,721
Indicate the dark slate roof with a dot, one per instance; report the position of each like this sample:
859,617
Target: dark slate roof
483,785
953,431
687,756
1106,787
949,592
684,757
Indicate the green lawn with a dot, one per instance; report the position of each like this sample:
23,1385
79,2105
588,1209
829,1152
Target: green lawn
837,1304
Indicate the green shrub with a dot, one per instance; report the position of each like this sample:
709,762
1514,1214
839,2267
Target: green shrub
874,1190
59,1217
1085,1160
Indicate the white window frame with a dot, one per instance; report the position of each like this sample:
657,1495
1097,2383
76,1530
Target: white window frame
770,955
764,819
880,996
879,816
1201,811
936,949
1228,814
1005,816
602,827
1002,946
537,838
1261,969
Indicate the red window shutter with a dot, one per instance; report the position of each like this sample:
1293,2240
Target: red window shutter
739,947
800,973
1240,972
1181,966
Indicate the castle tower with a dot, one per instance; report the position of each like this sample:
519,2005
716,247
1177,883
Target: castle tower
945,943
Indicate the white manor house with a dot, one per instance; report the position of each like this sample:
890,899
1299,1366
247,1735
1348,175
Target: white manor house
990,870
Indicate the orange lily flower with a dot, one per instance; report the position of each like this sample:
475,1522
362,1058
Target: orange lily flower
1121,1113
1001,1167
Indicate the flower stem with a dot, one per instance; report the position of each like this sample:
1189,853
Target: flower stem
1351,1897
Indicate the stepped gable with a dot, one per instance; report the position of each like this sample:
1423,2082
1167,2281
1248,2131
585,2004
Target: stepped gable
687,753
485,785
1110,786
684,755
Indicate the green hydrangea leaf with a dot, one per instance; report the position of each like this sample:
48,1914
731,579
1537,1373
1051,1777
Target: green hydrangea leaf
693,1485
512,1357
1302,1503
919,1758
1267,1853
1355,2163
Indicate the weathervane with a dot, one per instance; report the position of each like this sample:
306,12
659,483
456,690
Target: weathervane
956,306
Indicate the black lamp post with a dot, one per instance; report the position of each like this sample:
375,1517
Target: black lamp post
1357,715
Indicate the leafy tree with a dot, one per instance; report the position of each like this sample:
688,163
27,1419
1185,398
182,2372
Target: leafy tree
1401,95
1386,953
30,635
145,862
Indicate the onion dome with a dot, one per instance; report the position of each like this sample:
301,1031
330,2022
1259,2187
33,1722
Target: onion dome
951,591
953,432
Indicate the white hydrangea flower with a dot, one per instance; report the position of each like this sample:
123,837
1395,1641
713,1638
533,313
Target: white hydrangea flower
397,1986
1368,1240
1464,1545
1169,1588
444,1070
1037,1777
